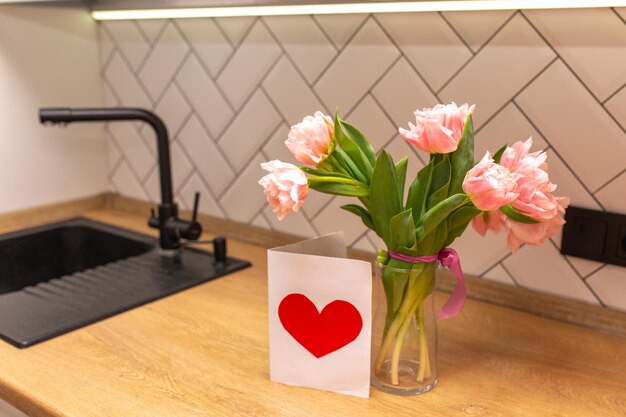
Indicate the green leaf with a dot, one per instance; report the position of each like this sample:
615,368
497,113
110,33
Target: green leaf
431,219
401,176
440,183
344,160
384,200
402,232
498,154
433,242
360,140
352,150
365,215
458,222
339,189
512,214
463,157
323,173
418,191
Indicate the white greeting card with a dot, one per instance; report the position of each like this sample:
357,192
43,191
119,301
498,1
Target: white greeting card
320,316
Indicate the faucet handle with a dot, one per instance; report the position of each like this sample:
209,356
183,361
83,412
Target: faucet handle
153,221
196,202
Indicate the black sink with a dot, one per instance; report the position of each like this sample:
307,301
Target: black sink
59,277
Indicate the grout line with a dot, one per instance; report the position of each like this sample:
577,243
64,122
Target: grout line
408,61
236,48
610,181
367,92
151,48
141,31
196,55
619,15
578,274
223,32
135,76
517,284
573,72
484,274
616,92
589,275
326,35
323,207
345,45
556,152
520,91
498,262
297,69
458,35
457,72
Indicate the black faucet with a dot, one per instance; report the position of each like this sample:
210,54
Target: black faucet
171,228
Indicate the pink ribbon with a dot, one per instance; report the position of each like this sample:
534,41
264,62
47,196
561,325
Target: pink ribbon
449,259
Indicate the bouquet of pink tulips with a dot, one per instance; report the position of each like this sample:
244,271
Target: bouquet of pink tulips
506,191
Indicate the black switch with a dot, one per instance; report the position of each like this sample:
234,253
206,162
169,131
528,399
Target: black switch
589,235
595,235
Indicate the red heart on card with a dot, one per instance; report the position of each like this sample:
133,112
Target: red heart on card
338,324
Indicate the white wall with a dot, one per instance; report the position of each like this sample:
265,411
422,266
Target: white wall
48,57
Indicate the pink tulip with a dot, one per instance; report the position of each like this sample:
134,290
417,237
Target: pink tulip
285,187
489,185
535,234
534,199
438,130
488,220
311,140
533,186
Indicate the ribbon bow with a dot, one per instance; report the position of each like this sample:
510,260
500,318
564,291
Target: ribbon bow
449,258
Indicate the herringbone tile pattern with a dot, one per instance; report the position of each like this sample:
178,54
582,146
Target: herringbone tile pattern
230,88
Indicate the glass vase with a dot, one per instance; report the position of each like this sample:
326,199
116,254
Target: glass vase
404,344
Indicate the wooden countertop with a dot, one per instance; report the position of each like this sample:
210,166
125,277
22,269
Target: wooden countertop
204,352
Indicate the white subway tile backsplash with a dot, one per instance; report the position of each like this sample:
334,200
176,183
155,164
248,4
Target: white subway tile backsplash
208,41
477,27
357,68
124,84
616,105
295,225
567,184
173,109
205,156
207,205
401,91
252,127
610,285
438,54
163,61
151,28
304,42
501,69
290,92
235,28
245,198
126,182
129,39
575,124
370,119
613,195
275,147
181,165
590,43
499,274
245,70
506,127
245,81
202,94
133,146
541,268
340,27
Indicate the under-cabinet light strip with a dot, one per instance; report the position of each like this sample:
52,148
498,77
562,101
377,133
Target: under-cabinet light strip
389,7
